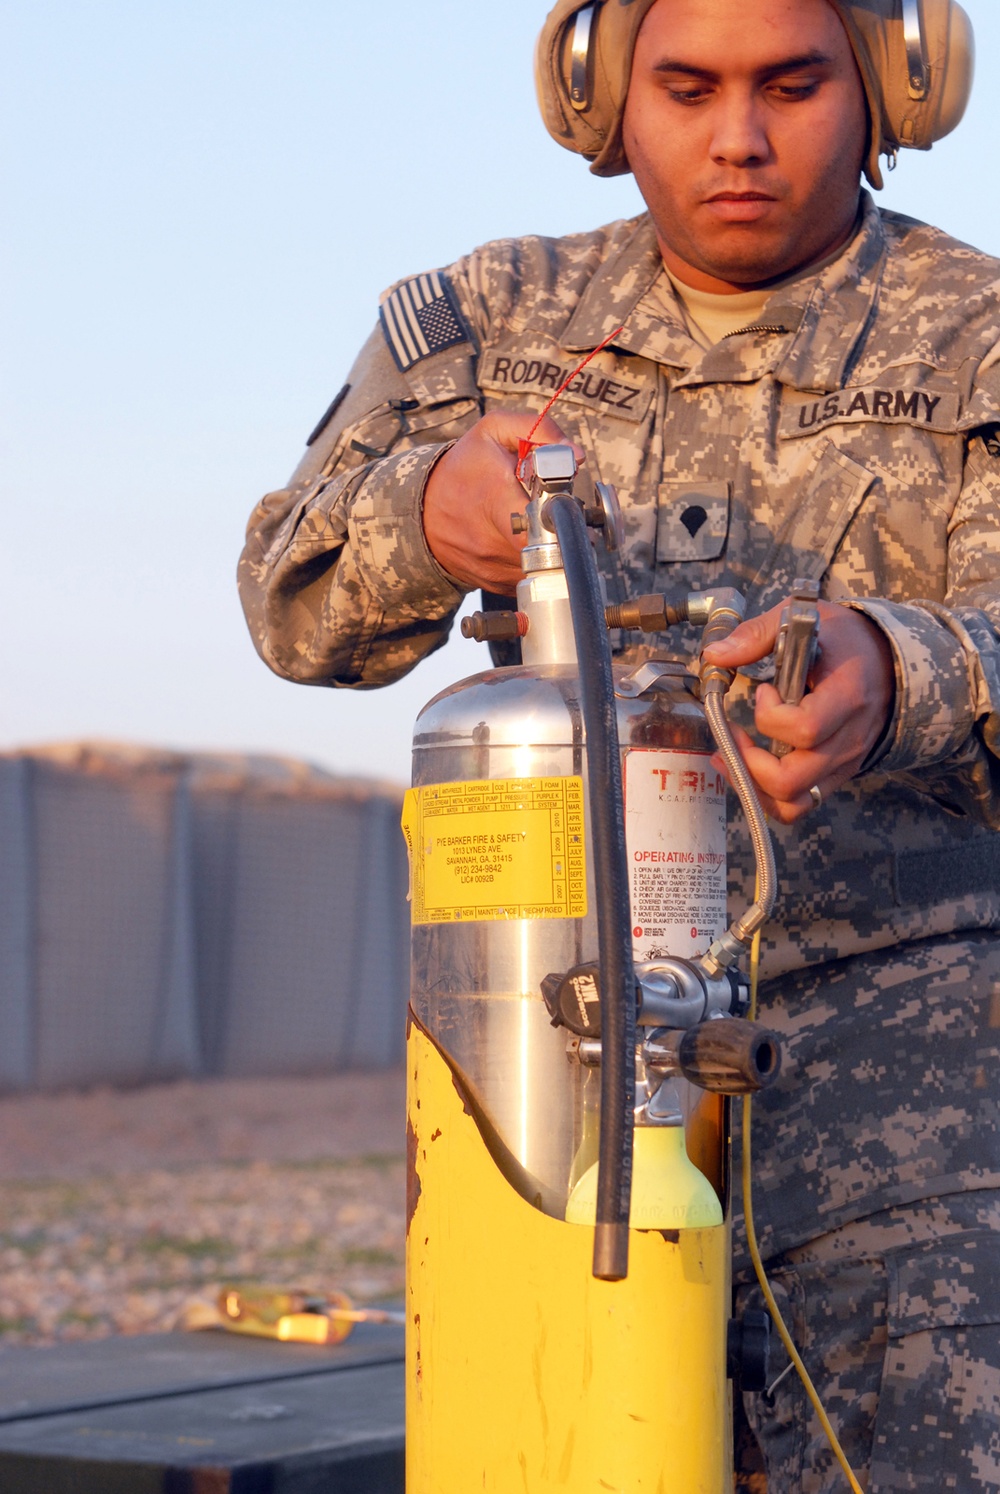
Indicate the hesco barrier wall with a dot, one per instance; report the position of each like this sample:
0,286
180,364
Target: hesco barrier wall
164,915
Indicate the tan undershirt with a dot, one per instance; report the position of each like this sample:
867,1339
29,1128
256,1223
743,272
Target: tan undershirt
710,317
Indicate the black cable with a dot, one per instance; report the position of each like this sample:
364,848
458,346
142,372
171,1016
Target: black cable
614,918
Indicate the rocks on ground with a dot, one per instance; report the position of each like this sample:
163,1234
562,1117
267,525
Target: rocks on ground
116,1208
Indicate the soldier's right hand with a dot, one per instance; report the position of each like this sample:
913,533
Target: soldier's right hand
470,495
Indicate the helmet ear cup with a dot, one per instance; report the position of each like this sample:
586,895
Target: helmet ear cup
919,116
916,61
567,125
591,126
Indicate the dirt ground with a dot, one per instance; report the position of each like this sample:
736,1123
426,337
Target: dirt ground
118,1207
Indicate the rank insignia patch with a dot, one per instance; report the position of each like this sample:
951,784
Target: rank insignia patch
692,521
421,317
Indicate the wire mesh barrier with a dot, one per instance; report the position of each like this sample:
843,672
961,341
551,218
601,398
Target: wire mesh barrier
166,915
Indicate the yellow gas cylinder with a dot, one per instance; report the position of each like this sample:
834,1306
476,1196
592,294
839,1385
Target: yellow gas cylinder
668,1191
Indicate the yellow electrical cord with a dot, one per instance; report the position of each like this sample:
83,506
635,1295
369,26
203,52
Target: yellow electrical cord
758,1264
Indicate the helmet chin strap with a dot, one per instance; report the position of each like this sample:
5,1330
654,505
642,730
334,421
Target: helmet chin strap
916,56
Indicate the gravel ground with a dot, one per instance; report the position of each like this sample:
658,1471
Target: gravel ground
117,1208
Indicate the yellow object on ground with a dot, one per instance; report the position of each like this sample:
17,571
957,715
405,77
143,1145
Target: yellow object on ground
297,1328
526,1375
284,1313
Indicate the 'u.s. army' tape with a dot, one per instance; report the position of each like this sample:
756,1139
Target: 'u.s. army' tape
420,317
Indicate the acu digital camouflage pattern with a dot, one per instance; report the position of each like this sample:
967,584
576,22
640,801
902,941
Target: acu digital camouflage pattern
890,1086
877,1205
896,1319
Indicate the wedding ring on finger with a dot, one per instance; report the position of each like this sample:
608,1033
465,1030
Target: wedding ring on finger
816,796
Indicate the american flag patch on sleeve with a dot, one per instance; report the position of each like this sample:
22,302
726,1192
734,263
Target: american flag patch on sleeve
421,317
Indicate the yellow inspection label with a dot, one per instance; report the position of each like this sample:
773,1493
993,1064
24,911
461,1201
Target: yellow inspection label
504,848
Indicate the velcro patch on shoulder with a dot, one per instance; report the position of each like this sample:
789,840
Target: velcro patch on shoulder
421,317
328,414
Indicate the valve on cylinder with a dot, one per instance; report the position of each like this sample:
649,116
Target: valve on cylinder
694,1028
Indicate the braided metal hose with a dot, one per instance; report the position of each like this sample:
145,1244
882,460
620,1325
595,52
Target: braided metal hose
741,931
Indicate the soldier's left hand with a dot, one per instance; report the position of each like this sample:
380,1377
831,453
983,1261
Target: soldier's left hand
844,712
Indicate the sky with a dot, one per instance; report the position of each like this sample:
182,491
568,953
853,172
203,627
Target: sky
203,200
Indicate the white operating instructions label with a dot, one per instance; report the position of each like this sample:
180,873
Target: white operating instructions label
675,831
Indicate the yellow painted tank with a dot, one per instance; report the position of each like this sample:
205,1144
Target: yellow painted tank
525,1375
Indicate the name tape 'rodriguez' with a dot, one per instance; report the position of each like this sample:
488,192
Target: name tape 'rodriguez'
506,373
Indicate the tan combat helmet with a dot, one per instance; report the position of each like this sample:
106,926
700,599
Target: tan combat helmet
915,59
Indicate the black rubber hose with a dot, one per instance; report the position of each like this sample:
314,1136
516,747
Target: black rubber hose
614,917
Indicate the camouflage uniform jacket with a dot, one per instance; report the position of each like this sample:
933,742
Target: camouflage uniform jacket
851,435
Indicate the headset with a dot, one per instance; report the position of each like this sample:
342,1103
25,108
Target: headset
915,57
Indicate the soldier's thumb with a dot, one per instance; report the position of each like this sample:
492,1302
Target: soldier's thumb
752,640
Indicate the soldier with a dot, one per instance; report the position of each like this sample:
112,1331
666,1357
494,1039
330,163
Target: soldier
801,386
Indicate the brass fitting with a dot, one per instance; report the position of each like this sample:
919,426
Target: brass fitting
487,627
651,613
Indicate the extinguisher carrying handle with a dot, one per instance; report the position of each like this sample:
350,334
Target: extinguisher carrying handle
565,515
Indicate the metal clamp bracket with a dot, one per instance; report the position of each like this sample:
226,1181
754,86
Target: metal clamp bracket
917,68
579,75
